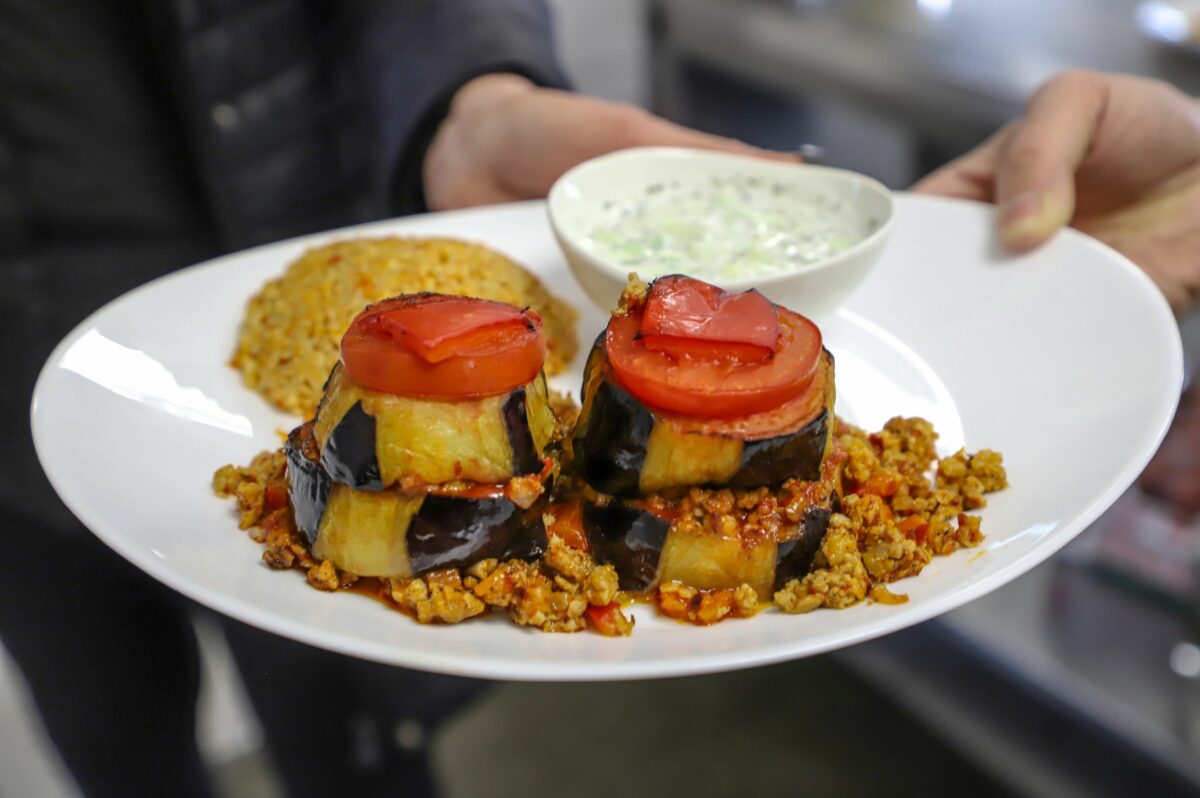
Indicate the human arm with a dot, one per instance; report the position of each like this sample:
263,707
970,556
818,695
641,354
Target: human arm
507,139
1115,156
470,106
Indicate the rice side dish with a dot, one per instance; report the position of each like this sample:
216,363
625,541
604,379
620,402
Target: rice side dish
289,336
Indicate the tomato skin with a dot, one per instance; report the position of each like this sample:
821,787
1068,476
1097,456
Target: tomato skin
439,326
684,316
678,347
440,346
718,388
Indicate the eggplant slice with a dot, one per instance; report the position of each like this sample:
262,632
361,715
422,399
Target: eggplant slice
628,538
308,484
371,440
450,532
647,550
387,533
624,448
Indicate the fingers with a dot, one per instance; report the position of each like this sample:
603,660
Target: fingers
1035,171
971,176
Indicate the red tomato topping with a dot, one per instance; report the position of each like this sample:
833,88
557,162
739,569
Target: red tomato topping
698,349
720,388
441,326
443,346
686,317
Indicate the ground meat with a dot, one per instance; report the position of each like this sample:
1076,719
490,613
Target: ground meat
285,547
705,607
552,595
909,441
524,491
751,516
840,579
972,476
438,597
601,585
279,558
323,576
248,485
899,517
887,553
571,563
862,460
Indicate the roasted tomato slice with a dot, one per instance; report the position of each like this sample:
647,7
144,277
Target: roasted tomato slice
436,345
686,317
715,388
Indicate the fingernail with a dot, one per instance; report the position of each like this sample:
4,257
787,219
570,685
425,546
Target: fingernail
1022,218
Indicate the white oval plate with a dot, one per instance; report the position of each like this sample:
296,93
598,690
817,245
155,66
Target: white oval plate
1067,360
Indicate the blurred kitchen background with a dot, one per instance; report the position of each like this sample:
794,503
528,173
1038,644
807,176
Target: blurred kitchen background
1080,679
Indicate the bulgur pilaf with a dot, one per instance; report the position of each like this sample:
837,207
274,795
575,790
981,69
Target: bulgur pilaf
289,336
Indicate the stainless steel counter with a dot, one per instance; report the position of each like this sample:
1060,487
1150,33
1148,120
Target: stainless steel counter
944,67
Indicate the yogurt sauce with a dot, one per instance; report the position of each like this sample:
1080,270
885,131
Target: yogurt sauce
731,227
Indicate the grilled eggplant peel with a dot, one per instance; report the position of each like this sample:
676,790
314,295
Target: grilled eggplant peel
371,440
390,533
711,503
708,542
625,448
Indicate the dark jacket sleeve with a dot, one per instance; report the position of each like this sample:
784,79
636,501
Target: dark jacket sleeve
414,55
303,115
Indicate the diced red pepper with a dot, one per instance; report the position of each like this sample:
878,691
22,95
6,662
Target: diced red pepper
609,620
276,496
881,483
568,525
914,527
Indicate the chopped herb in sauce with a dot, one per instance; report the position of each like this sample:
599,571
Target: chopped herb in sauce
731,227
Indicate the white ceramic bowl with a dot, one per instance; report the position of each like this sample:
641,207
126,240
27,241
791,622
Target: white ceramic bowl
577,204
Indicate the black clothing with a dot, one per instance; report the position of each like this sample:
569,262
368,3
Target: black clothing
137,137
339,709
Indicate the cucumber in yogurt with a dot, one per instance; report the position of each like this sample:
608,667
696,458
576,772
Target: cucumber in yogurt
728,228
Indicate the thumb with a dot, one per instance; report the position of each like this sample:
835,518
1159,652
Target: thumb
1035,174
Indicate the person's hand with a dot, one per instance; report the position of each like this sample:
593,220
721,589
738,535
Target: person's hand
1115,156
506,139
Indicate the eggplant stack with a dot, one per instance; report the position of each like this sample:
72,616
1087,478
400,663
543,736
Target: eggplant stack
677,494
387,483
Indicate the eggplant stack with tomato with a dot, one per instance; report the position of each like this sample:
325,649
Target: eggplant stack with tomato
704,445
434,444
